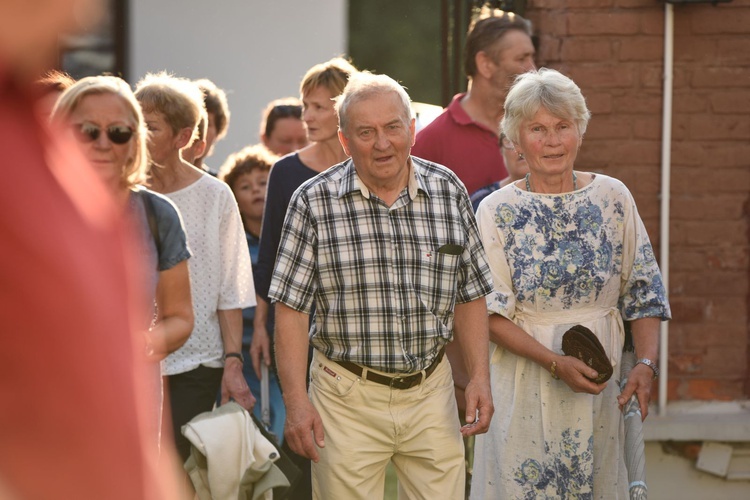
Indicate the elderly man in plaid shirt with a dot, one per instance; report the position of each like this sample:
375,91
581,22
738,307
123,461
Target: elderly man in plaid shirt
386,247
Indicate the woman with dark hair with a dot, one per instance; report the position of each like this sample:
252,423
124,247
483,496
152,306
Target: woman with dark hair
282,130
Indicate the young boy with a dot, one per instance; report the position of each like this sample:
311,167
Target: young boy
246,173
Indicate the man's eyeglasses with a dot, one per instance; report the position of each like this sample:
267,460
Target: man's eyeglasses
88,132
505,143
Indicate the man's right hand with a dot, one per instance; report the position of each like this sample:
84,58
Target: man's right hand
303,429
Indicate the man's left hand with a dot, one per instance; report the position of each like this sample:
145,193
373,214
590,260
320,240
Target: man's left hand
234,386
479,408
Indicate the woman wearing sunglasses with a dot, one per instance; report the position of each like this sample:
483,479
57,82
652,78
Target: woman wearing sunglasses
107,122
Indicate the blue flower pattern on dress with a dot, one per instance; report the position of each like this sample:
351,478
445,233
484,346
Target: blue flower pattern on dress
565,256
559,253
566,474
556,260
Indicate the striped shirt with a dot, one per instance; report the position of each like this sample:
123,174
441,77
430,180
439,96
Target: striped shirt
384,280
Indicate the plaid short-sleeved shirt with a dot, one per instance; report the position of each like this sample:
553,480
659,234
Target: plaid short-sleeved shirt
384,280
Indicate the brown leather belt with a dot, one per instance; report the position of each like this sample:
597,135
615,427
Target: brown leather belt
397,382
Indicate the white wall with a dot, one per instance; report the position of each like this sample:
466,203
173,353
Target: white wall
256,50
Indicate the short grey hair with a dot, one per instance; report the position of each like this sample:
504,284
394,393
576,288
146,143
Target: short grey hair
362,86
544,88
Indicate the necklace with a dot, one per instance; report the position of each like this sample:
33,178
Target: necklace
528,182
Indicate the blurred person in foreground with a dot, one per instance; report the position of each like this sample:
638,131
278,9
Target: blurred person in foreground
220,269
282,130
514,163
386,247
106,120
565,248
217,108
74,413
246,173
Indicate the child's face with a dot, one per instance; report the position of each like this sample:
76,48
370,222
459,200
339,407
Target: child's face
250,192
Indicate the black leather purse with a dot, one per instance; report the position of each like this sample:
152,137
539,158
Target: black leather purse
580,342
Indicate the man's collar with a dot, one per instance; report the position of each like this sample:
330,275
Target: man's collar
351,181
457,111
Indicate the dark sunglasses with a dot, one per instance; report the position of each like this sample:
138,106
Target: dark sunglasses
88,132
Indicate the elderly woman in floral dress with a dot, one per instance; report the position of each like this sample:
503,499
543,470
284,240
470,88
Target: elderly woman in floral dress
565,248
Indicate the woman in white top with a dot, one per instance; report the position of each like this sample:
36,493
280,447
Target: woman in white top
220,269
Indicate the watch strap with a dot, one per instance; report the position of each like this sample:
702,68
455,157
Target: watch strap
650,364
237,355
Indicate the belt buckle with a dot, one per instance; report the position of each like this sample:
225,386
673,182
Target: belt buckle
398,383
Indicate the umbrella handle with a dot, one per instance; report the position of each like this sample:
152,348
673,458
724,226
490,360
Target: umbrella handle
265,407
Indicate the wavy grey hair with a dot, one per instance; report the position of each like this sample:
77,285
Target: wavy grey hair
544,88
362,86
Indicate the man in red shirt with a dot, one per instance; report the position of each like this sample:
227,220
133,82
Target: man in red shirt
465,136
73,418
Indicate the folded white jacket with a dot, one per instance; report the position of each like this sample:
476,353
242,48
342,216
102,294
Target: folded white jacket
230,458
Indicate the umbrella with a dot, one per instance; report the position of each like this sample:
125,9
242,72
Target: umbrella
265,404
635,457
285,462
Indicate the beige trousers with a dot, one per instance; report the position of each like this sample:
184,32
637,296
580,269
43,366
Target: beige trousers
367,424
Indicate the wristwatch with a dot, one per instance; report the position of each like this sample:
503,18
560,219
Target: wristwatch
650,364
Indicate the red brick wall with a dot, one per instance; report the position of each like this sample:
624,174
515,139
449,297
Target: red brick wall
613,49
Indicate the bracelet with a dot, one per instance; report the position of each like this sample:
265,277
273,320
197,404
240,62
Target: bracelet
553,370
237,355
650,364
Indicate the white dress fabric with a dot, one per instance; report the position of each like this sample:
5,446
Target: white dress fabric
559,260
221,275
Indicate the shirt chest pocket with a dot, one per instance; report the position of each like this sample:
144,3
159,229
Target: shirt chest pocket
436,278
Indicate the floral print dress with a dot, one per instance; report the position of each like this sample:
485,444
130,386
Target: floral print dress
559,260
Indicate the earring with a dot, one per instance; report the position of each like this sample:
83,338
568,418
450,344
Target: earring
521,156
